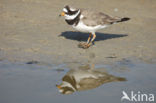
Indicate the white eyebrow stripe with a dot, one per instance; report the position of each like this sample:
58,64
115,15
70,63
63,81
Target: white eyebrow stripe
65,10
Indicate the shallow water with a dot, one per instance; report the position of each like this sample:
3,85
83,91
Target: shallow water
36,82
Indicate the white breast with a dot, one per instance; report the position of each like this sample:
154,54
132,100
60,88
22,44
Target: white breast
84,28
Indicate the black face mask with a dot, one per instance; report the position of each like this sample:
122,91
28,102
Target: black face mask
69,12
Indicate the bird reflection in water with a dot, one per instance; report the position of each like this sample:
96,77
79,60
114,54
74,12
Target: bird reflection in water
85,78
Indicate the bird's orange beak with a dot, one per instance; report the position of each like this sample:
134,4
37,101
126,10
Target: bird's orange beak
62,14
58,86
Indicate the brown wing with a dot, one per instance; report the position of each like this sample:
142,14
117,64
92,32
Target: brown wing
89,83
92,18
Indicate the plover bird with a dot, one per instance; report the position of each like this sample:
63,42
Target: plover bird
86,20
85,79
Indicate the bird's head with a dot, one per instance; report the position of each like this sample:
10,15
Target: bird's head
65,89
69,12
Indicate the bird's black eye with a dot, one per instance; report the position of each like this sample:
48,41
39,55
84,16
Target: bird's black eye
69,11
67,7
66,12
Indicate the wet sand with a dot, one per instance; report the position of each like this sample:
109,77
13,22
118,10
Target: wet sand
30,30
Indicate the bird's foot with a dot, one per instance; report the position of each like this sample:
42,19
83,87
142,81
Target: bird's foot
84,45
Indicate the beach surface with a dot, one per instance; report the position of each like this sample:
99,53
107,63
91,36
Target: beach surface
31,30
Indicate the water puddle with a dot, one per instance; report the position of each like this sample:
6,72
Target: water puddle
35,82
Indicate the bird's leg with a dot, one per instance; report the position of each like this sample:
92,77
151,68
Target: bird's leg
94,36
89,43
90,35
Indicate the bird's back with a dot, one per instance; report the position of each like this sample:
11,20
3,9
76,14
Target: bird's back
93,18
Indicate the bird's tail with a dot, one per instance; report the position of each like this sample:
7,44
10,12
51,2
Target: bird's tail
123,19
120,79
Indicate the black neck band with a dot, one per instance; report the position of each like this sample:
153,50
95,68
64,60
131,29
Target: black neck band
75,21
